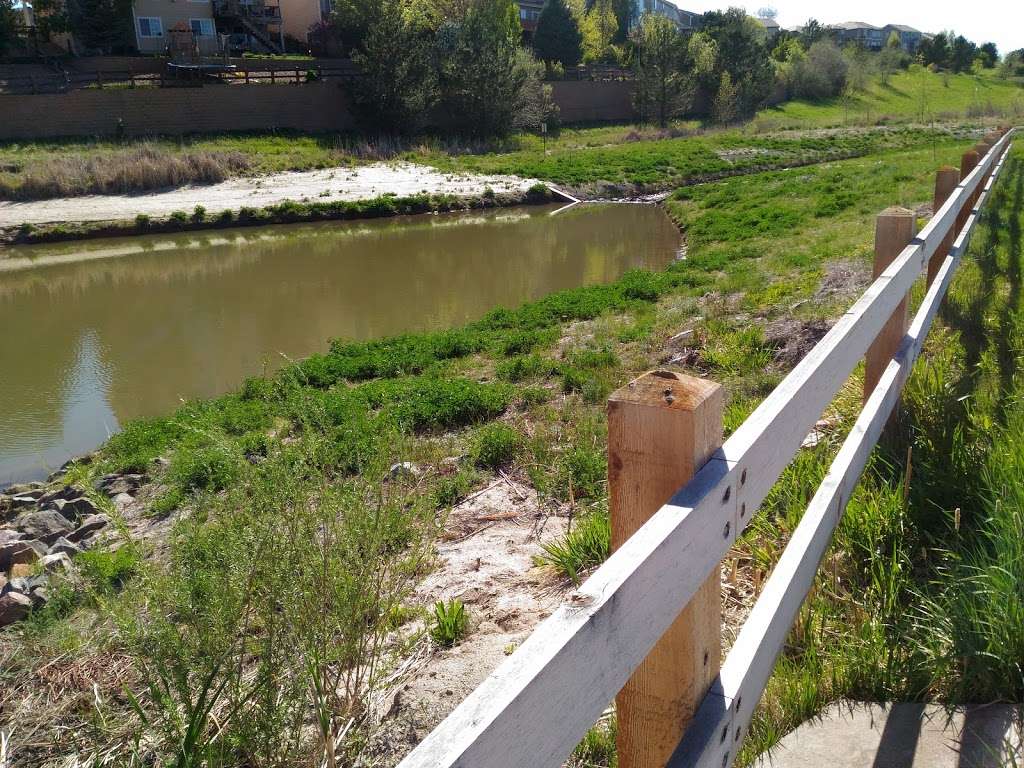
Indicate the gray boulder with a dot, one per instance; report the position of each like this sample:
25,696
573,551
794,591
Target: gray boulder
47,525
74,509
87,527
7,535
58,562
14,606
67,547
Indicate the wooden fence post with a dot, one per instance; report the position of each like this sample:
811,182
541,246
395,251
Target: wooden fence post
662,428
968,163
945,182
894,229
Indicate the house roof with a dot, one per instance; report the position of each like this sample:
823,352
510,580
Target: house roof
851,25
902,28
769,23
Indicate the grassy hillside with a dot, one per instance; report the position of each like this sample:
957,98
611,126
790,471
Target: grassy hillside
286,466
916,95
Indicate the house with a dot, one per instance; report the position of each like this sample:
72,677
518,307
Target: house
529,15
772,28
152,21
685,20
860,33
910,38
241,25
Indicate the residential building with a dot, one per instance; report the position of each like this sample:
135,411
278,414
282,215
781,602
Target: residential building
772,28
300,17
685,20
860,33
251,25
529,14
910,38
152,21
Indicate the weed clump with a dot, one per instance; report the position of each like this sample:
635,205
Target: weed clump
495,446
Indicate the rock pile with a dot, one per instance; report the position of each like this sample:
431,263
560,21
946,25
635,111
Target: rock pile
41,531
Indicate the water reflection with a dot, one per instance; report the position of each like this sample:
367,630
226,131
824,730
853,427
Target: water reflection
98,333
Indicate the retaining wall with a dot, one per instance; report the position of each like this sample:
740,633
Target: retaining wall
308,107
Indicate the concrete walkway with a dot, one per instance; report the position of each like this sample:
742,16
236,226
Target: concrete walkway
856,735
356,183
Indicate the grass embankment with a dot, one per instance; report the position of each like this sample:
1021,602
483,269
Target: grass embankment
617,155
289,212
282,589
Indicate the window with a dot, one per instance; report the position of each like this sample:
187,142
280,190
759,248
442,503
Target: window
202,27
150,26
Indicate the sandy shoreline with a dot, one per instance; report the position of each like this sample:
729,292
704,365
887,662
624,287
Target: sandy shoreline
359,183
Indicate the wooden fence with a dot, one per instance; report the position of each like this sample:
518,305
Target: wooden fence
263,73
645,626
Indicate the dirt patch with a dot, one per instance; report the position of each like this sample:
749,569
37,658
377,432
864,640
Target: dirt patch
486,559
792,338
843,280
361,183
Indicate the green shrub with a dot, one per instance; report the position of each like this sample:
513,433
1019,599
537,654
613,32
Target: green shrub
423,403
205,468
106,571
238,415
520,368
142,221
495,446
585,545
449,623
582,471
254,444
167,502
198,214
452,489
135,448
179,217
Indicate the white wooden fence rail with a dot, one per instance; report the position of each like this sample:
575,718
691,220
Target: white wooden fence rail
534,709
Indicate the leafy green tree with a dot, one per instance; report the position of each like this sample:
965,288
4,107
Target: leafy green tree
665,85
51,18
891,58
962,53
103,25
812,32
491,83
725,108
8,24
558,35
935,52
989,55
600,26
743,54
397,60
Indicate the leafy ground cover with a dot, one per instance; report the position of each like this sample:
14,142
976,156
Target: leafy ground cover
303,531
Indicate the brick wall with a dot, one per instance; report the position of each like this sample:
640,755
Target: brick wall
308,107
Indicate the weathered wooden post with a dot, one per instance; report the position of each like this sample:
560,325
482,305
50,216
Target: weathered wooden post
946,180
968,163
662,428
894,229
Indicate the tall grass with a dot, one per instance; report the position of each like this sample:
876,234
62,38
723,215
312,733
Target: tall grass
141,168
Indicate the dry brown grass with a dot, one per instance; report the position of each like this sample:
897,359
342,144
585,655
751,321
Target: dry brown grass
141,168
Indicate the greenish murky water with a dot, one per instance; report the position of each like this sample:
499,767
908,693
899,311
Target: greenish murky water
97,333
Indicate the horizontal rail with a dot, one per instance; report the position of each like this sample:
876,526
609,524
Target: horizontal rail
722,720
538,704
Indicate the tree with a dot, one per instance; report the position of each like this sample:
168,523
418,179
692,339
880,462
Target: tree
891,58
962,53
812,33
665,87
724,110
488,80
51,18
989,55
743,53
558,35
934,52
600,26
395,55
102,25
8,24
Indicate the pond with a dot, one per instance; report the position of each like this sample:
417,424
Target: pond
100,332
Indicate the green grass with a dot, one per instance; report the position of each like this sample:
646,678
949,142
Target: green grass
292,505
449,623
916,94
